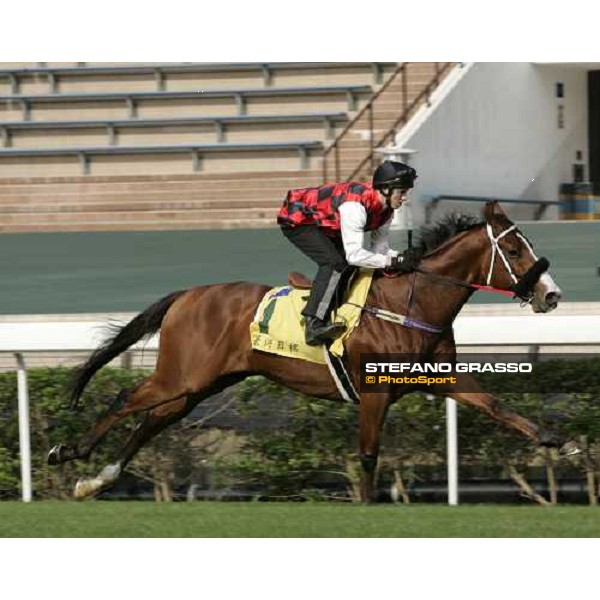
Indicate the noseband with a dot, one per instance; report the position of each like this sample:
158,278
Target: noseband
522,287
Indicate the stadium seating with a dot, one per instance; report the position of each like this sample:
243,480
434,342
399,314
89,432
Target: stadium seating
87,77
161,145
131,105
223,128
147,202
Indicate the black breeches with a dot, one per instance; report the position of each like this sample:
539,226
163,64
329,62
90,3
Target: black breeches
334,272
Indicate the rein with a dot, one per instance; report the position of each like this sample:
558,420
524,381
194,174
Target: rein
458,282
522,285
404,320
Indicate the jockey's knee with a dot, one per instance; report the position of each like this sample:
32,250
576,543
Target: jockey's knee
340,266
333,267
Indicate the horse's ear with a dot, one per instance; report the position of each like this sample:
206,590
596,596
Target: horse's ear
493,209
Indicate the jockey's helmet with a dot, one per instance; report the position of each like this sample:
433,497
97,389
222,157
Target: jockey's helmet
390,174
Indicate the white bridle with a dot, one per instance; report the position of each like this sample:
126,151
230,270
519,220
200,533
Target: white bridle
496,250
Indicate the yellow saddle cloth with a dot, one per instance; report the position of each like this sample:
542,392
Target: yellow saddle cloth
278,325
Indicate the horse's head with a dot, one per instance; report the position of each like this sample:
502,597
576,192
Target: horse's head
513,263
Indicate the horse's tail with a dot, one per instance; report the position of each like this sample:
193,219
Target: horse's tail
146,323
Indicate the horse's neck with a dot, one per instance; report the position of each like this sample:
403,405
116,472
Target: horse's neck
437,302
462,259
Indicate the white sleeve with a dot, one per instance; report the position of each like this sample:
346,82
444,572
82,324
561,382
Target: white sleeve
353,218
380,240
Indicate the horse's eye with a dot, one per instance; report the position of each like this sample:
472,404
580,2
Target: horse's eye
513,253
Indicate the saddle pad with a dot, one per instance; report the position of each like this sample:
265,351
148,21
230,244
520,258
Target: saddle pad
278,325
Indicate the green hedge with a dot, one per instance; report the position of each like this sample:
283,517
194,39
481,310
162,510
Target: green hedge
51,423
313,442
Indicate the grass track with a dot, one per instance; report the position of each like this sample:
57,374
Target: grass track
206,519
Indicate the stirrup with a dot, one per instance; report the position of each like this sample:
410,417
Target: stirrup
325,333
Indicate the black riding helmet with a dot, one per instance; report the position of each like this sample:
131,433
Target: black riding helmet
390,174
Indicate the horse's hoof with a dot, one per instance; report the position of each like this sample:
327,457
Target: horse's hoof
85,488
60,454
569,449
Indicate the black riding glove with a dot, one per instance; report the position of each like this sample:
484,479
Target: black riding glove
407,262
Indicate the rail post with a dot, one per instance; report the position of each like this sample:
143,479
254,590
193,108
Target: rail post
452,451
24,434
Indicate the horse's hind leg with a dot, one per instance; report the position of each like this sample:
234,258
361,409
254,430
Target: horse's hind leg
62,453
148,394
155,421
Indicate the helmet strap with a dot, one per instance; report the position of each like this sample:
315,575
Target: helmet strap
387,192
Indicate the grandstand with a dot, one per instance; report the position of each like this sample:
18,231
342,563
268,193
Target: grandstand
189,145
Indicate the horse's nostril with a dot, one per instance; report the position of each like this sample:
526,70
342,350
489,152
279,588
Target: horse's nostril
552,298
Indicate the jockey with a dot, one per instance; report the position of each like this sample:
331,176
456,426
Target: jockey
328,223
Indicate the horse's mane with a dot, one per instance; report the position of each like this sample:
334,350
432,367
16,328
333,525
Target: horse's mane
433,236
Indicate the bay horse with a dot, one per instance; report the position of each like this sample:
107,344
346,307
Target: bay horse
205,343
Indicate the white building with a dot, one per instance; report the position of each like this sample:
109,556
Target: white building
509,131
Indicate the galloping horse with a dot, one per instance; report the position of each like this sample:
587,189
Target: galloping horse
205,342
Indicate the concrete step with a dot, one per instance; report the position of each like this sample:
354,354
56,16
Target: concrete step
83,193
104,179
159,225
249,190
258,192
122,216
150,184
140,206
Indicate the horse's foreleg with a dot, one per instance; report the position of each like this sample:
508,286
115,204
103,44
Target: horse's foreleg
373,408
474,395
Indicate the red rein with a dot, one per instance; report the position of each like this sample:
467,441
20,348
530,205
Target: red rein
489,288
479,288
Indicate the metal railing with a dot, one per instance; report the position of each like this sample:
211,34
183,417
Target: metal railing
334,152
540,205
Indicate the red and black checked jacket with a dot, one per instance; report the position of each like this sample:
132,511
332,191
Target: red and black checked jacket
319,206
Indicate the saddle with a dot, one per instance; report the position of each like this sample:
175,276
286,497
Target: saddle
299,281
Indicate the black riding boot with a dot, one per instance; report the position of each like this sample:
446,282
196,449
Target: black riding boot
318,331
321,302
